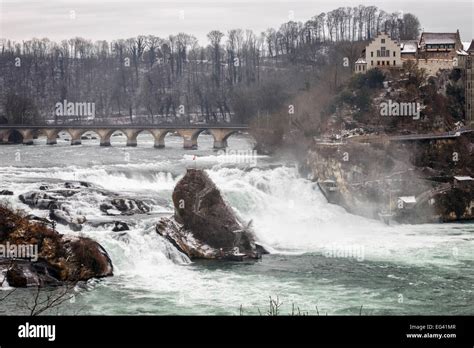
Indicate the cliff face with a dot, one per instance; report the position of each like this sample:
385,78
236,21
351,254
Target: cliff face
384,179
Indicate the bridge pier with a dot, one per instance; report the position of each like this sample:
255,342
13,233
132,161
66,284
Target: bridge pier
190,137
159,135
132,136
27,136
104,135
220,137
76,136
51,136
5,135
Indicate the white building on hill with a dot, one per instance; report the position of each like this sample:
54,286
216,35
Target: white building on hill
382,52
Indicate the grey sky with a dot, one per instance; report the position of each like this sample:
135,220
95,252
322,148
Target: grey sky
113,19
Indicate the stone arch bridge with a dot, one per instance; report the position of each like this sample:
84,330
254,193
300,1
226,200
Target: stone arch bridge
189,133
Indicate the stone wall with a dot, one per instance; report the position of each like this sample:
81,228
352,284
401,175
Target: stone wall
433,65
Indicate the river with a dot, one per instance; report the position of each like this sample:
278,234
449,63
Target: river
323,259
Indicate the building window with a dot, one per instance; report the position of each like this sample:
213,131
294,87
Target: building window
394,63
388,62
383,40
372,62
383,62
378,62
371,54
394,53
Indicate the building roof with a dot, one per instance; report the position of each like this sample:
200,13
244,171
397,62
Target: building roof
382,33
361,61
463,178
439,38
471,47
465,45
407,199
409,46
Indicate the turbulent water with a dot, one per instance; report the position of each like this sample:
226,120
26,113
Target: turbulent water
323,259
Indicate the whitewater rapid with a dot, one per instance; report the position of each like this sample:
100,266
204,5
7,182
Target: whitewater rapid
288,213
306,235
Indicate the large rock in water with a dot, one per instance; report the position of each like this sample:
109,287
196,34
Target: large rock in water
204,226
53,258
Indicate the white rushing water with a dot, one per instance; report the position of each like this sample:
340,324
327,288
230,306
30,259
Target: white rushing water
321,255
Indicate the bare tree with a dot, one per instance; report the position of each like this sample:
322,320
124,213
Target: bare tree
411,27
46,299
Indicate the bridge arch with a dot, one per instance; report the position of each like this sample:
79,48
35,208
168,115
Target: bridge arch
75,134
96,135
116,137
190,137
51,135
159,135
220,136
11,136
134,136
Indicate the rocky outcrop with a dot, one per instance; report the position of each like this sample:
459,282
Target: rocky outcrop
53,258
54,201
125,206
374,180
57,200
38,200
120,226
204,226
65,217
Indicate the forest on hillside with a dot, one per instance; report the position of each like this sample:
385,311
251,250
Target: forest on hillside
239,76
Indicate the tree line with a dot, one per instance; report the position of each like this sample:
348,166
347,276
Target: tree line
236,77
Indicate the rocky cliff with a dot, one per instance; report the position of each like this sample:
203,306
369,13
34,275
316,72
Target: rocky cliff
413,183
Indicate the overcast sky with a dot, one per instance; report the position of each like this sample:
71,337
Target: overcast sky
113,19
